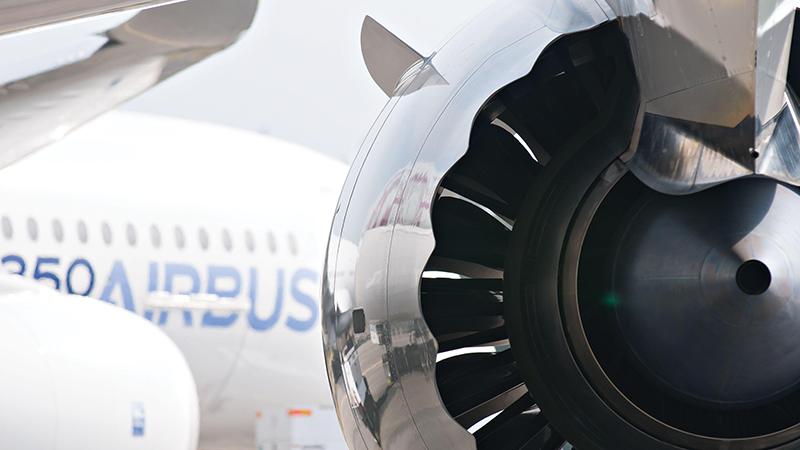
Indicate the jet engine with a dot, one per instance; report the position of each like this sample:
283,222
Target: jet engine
574,226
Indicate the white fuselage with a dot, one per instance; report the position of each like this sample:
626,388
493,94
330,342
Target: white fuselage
215,235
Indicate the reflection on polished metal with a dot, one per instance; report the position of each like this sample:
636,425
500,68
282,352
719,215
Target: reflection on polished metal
569,16
715,101
682,310
714,104
383,380
723,287
58,77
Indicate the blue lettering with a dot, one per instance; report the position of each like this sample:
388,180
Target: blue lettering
75,264
216,273
226,282
256,322
171,271
304,299
118,277
16,259
39,274
152,286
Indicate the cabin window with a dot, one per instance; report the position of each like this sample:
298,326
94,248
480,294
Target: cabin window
83,232
273,246
8,230
292,244
180,239
249,241
105,231
33,229
155,236
227,242
202,236
58,230
130,234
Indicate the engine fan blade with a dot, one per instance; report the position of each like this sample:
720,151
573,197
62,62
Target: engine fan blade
466,232
464,312
474,386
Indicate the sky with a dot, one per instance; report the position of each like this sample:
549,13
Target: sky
298,74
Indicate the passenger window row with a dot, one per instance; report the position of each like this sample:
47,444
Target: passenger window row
130,236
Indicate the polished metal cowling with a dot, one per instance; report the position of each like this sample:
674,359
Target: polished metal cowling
716,103
383,379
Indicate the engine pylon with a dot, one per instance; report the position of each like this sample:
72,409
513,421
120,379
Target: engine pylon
717,101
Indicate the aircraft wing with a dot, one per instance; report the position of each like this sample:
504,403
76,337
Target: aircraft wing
66,61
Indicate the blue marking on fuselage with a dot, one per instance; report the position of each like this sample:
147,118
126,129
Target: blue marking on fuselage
171,272
216,273
262,324
117,289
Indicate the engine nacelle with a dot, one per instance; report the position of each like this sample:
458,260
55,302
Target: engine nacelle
570,227
81,374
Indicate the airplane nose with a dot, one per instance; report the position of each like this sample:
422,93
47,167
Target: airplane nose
715,91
